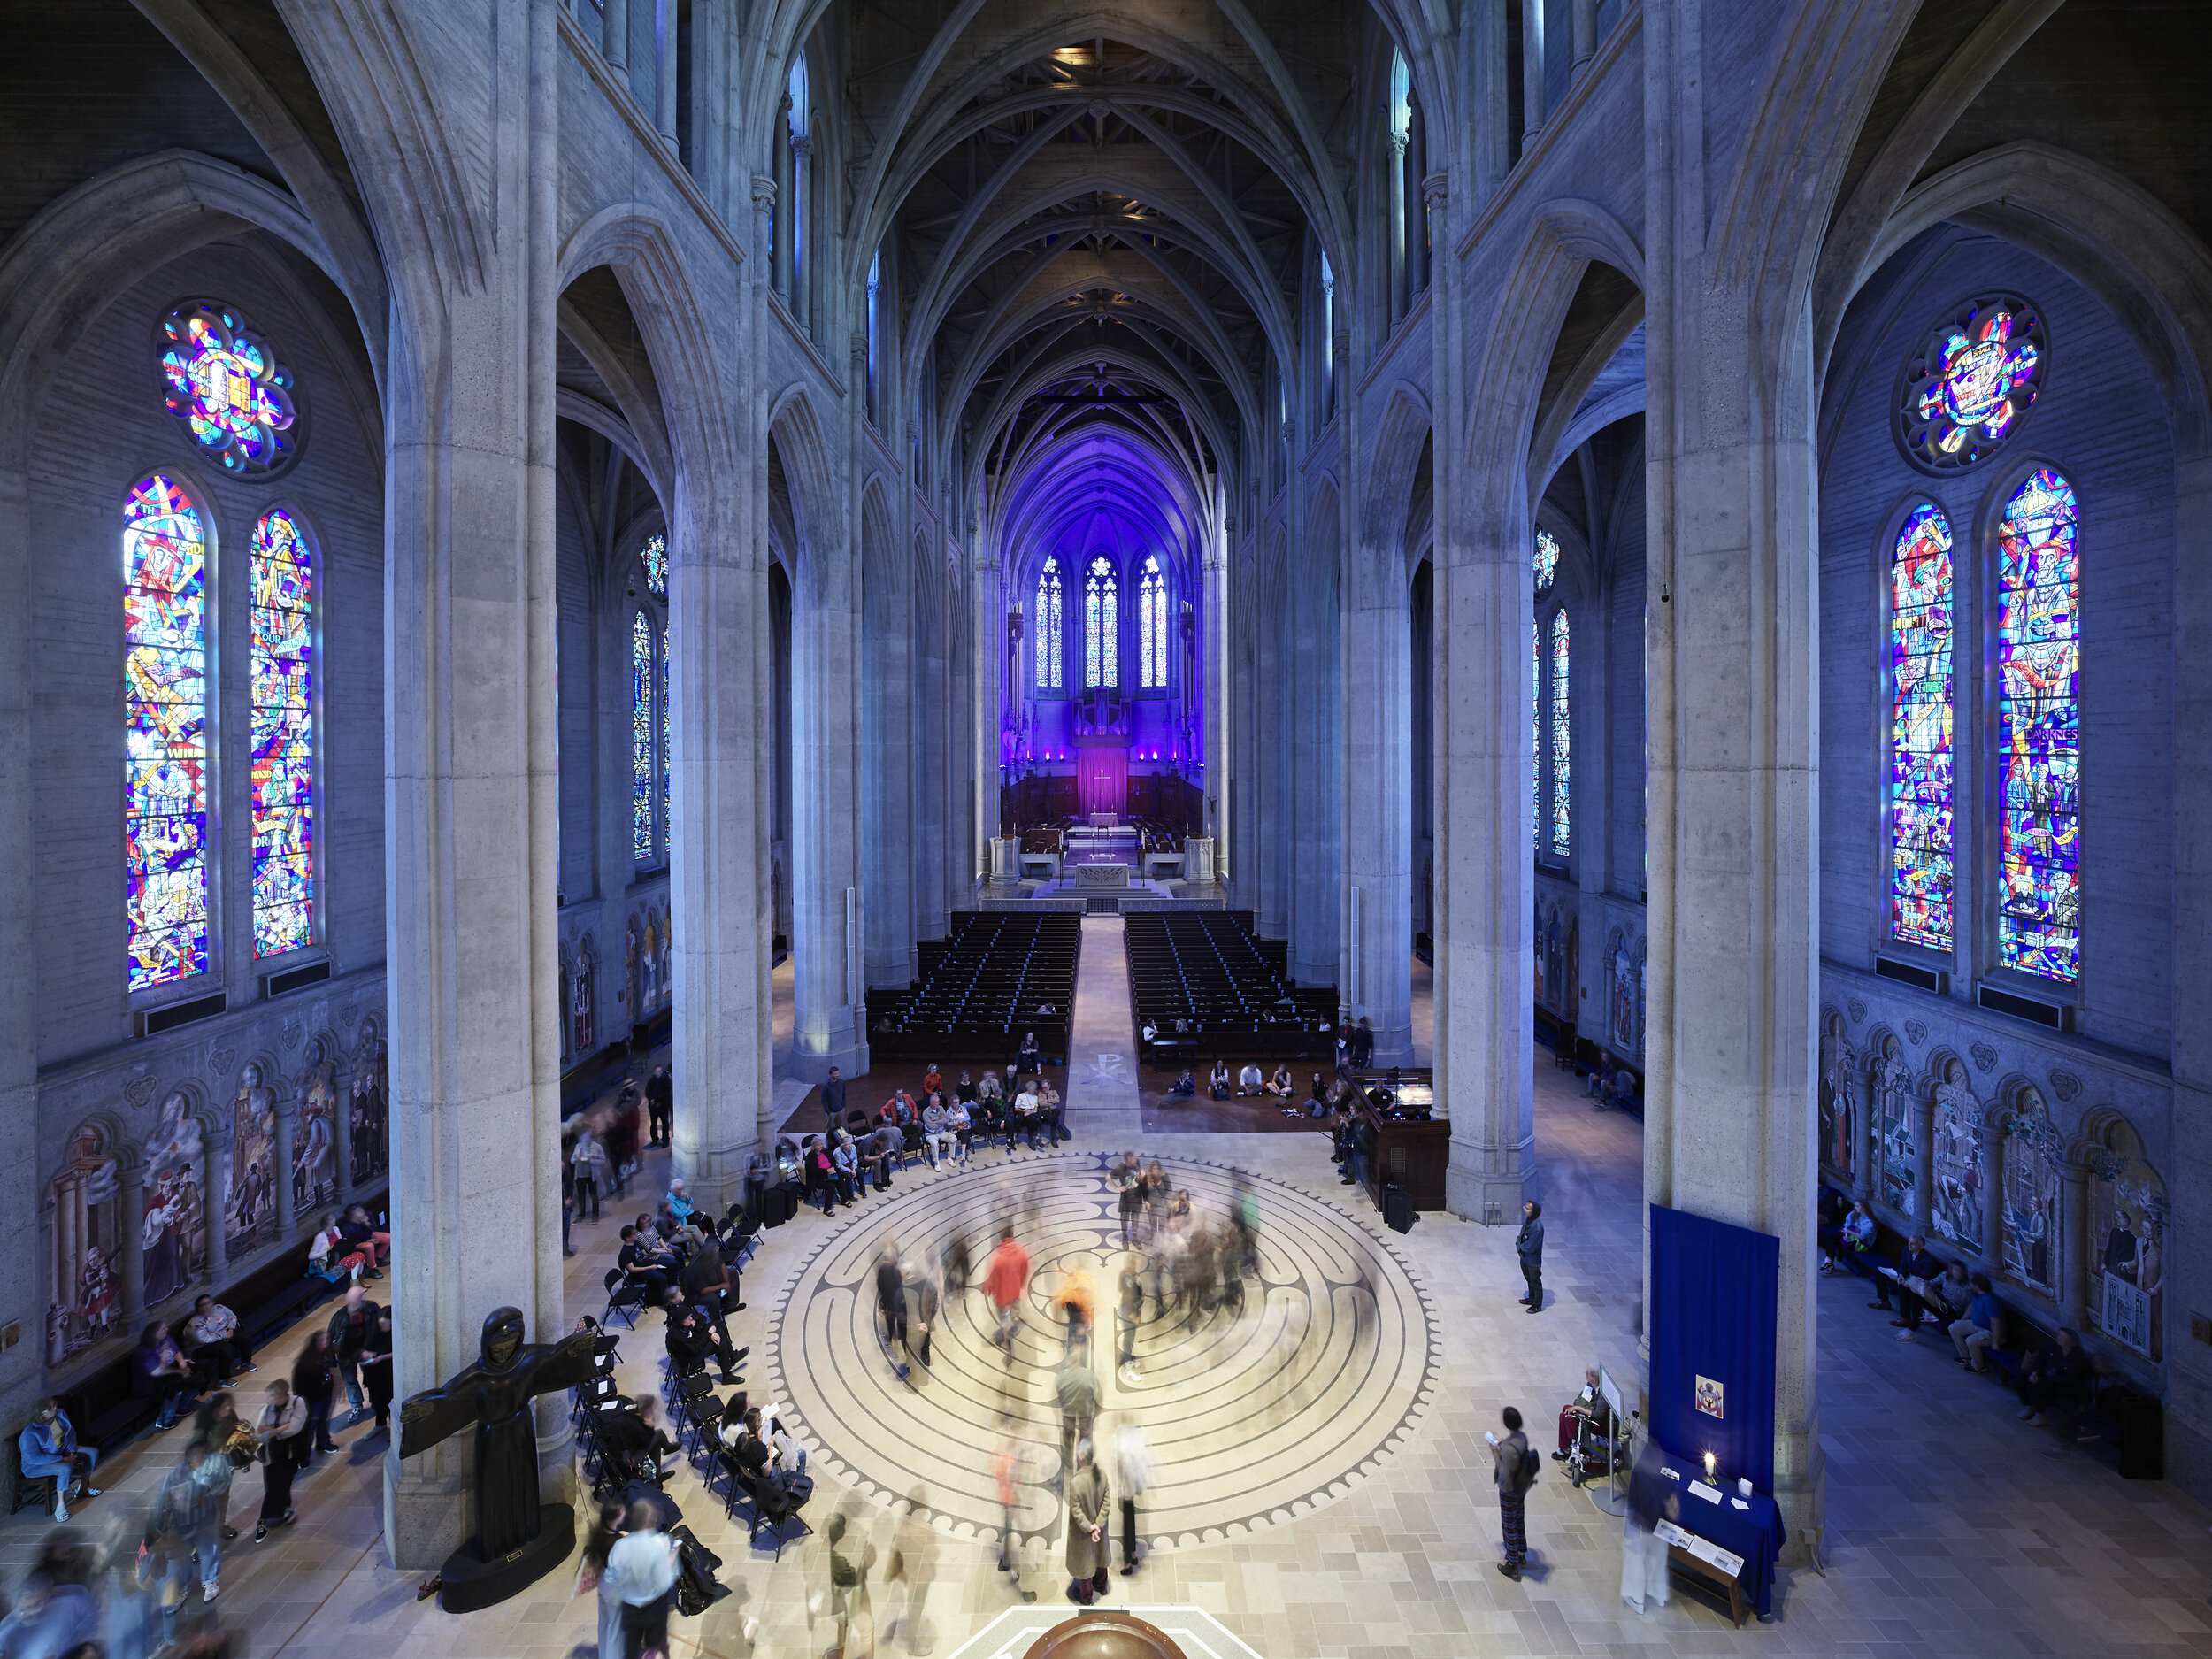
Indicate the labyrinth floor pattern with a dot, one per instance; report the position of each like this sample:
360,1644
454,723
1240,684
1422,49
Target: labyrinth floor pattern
1254,1415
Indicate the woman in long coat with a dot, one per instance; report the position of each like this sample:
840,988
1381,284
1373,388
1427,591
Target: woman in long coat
1089,1556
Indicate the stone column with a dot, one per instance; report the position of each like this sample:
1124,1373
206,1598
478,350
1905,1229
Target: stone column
1531,71
130,1221
827,941
1991,1139
664,57
1585,34
1923,1165
885,665
617,37
1212,678
1316,873
1399,262
1590,690
470,747
2073,1245
287,1200
1376,808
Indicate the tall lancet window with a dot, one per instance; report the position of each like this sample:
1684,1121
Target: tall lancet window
655,556
1152,627
1101,626
2038,735
1920,845
1536,729
164,727
1562,730
283,675
644,659
1051,626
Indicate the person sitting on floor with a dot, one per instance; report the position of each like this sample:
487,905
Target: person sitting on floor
2056,1373
1185,1086
1973,1331
1918,1264
1249,1081
1852,1247
1219,1088
1280,1086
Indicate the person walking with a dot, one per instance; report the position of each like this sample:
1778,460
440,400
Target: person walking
350,1330
591,1576
376,1371
1131,1295
1089,1555
1511,1466
1076,1389
585,1161
1005,1279
922,1302
660,1106
281,1429
314,1383
184,1536
642,1568
1007,1475
1133,1469
891,1303
1530,1247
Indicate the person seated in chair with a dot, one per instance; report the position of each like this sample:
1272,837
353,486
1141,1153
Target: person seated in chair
47,1449
1050,1109
877,1150
218,1347
1218,1083
632,1437
933,1082
1150,1033
1249,1081
1588,1407
1185,1086
648,1263
965,1090
938,1136
693,1340
898,1112
762,1451
1031,1059
359,1232
1024,1120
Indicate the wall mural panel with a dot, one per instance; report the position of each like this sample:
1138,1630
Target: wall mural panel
2128,1214
1960,1182
85,1303
250,1174
1838,1102
2032,1158
369,1109
1896,1138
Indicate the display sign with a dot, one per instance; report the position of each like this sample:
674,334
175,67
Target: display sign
1704,1549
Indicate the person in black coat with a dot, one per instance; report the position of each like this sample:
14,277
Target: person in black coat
1918,1262
660,1106
1529,1246
2058,1372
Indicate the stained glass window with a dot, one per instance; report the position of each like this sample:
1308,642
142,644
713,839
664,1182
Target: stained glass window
1920,731
643,773
1975,375
221,378
283,675
1561,771
1152,626
1101,626
668,650
655,558
165,715
1536,729
1051,630
1546,561
2038,761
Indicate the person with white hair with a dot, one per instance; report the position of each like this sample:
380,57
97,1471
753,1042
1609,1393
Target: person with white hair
1135,1468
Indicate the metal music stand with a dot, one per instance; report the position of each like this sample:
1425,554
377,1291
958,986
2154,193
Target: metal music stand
1614,1498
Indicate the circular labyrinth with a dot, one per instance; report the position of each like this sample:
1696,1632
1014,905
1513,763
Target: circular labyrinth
1254,1414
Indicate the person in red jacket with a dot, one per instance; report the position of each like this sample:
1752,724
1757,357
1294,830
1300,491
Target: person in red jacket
1005,1278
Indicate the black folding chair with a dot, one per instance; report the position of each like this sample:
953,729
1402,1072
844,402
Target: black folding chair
770,1508
623,1298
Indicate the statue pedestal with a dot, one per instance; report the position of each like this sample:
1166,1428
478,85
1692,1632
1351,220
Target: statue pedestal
1006,859
1198,861
471,1582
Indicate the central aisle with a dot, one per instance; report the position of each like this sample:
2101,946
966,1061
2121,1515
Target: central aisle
1101,1085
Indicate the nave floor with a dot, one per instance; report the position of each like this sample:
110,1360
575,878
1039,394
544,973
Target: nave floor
1952,1529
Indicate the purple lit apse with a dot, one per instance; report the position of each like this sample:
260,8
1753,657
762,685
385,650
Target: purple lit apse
1101,530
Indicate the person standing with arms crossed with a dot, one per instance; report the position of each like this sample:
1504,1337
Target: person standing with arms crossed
1530,1247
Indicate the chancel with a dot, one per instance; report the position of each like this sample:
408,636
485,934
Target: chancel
838,826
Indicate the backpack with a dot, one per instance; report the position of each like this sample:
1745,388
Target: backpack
1525,1470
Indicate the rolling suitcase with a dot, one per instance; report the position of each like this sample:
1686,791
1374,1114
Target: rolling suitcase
1399,1214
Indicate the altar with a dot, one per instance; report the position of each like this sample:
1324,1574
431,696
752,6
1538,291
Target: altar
1100,875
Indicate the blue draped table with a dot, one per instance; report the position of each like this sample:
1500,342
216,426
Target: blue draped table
1755,1532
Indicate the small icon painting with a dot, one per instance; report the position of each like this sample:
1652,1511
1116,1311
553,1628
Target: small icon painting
1708,1397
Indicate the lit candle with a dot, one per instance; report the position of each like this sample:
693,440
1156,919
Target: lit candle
1710,1463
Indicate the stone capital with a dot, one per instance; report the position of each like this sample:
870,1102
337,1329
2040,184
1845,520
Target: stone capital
764,191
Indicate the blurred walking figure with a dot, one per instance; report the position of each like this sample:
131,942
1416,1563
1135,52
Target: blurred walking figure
1008,1476
1076,1387
1005,1278
914,1565
850,1560
1131,1290
1078,1302
1089,1556
952,1261
591,1576
891,1303
184,1537
1133,1470
921,1306
49,1619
